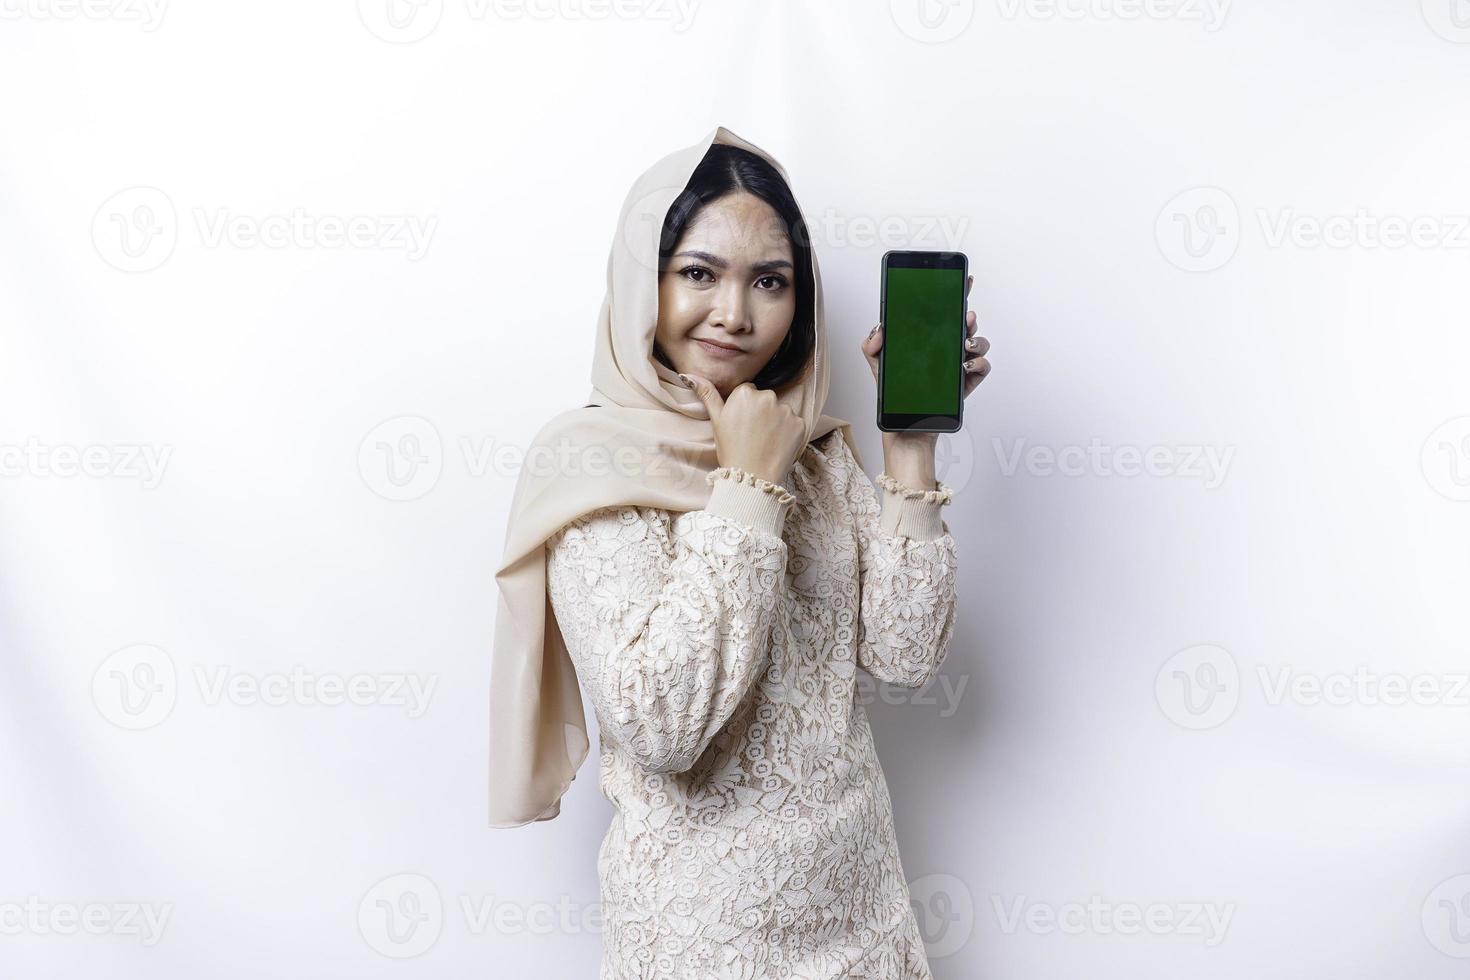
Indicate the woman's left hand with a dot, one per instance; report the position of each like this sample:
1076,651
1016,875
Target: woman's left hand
909,456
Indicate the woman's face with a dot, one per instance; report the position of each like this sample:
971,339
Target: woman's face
728,283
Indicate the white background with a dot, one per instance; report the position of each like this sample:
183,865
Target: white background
1137,195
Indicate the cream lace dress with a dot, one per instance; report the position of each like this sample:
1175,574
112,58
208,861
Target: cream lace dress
753,836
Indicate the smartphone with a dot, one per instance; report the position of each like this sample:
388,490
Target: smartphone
921,364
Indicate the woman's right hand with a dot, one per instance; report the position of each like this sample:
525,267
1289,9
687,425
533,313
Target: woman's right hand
754,430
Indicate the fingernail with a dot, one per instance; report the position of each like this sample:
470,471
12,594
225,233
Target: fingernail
970,343
873,331
684,380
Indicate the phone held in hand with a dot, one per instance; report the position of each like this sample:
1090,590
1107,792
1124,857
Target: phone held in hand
921,364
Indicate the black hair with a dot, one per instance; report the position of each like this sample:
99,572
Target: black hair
727,169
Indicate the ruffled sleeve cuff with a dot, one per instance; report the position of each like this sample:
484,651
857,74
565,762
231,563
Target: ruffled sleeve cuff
912,513
745,498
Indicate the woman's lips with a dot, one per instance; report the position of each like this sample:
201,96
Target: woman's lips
717,351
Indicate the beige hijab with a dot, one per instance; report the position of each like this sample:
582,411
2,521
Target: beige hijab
649,443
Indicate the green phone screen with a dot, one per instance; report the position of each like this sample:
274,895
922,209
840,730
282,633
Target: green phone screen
921,343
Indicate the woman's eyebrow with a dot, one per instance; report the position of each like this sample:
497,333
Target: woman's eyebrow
720,263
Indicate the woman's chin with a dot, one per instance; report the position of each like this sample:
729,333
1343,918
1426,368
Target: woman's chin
719,375
726,383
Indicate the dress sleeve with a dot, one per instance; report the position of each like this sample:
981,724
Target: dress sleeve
907,565
668,616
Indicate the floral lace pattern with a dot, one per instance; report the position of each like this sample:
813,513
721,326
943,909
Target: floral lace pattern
753,833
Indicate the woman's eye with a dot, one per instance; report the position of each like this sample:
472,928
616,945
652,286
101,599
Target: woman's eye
694,272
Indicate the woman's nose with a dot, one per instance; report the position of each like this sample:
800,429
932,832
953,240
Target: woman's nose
731,309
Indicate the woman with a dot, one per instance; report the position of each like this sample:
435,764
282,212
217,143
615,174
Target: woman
718,567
